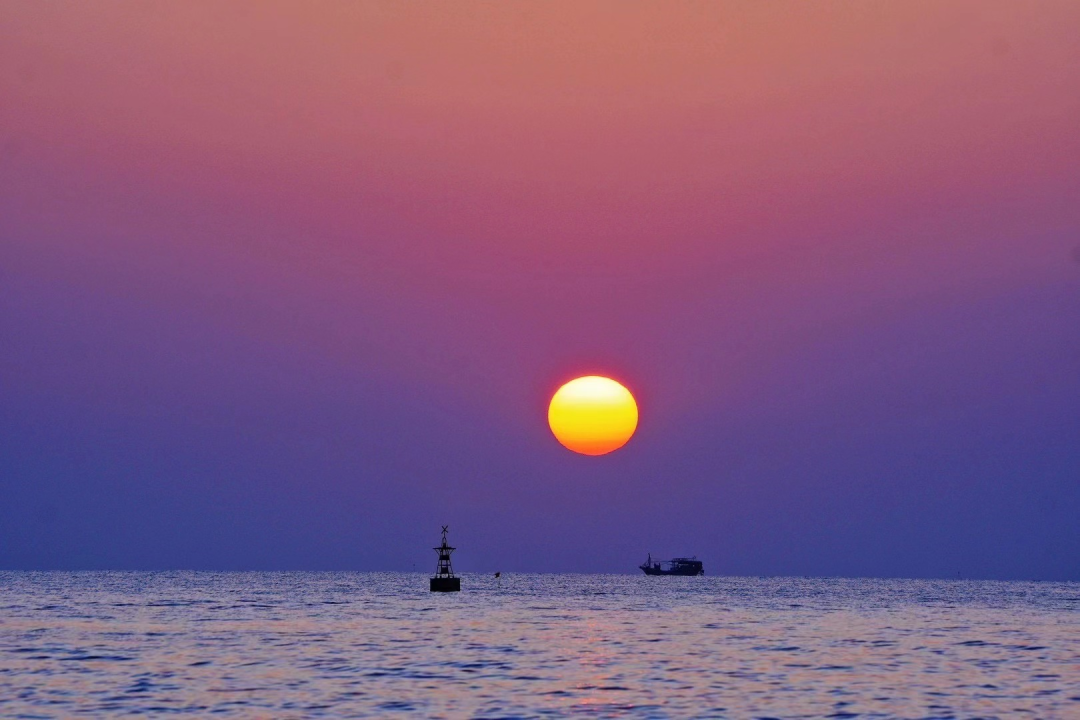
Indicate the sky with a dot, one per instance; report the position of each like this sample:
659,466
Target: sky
289,285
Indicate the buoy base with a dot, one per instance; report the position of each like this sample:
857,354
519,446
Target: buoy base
445,584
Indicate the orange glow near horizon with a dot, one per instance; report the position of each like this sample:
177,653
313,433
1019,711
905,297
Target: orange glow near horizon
593,415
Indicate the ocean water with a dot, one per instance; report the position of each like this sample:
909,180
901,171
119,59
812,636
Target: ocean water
294,645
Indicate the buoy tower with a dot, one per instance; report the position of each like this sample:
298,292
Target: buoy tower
444,580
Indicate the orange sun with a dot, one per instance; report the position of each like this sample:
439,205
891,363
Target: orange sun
593,415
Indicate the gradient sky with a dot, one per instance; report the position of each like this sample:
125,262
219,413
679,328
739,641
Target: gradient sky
289,285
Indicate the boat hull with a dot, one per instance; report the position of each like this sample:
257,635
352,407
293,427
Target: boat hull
445,584
684,572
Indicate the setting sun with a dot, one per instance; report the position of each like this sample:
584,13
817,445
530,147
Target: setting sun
593,415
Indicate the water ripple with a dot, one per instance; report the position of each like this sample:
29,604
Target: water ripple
379,645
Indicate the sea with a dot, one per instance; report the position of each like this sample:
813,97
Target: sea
359,645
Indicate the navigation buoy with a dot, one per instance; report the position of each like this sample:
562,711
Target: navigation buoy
444,579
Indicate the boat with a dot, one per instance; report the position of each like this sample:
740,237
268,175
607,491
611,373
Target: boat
677,566
444,579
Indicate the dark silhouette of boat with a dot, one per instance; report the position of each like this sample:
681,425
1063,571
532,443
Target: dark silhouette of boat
444,580
678,566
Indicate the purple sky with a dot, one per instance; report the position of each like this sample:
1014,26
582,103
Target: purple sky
289,288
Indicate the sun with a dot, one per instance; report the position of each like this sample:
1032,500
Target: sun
593,415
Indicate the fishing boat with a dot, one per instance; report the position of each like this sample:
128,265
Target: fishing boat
444,579
676,566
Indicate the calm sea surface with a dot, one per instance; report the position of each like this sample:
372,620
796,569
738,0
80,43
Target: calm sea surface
292,645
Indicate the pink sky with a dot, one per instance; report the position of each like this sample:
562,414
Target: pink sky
742,210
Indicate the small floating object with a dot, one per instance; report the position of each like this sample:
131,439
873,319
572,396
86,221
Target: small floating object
498,574
444,579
